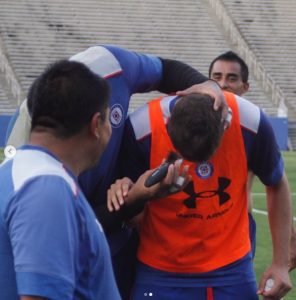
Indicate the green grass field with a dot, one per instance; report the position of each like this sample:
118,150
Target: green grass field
263,250
1,155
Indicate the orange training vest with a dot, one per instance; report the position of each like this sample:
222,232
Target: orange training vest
206,226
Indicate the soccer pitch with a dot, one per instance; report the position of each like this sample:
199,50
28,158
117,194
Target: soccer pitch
263,246
1,154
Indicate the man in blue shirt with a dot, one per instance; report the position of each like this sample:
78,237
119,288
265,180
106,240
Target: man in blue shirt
127,73
51,244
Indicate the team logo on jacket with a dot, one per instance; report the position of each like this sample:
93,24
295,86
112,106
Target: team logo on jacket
116,115
204,170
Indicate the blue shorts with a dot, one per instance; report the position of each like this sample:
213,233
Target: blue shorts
245,291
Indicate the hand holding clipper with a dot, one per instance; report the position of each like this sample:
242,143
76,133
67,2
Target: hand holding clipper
161,172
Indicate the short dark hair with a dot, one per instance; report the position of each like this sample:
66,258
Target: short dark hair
66,96
195,128
232,57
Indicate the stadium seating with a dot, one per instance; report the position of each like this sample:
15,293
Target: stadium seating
269,28
7,106
34,33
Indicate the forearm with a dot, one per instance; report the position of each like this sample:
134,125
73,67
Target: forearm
135,197
115,220
124,201
293,231
293,248
178,76
280,220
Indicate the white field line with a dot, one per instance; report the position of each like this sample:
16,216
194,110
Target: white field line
263,212
263,194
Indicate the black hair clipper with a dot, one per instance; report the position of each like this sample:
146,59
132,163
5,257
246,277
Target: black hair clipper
161,172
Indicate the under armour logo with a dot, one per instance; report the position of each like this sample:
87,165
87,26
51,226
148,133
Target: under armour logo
223,183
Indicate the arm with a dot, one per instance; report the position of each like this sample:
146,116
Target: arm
47,217
265,160
293,248
146,73
279,213
178,76
125,193
183,79
279,207
132,162
115,220
126,199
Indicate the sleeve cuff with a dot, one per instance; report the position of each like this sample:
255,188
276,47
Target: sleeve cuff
41,285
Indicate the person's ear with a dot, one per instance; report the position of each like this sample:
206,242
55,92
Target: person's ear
246,87
95,125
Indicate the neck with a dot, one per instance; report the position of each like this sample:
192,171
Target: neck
70,151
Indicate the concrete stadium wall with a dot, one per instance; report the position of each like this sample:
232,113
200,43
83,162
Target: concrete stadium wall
280,128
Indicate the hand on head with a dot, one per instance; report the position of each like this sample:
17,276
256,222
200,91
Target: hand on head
213,89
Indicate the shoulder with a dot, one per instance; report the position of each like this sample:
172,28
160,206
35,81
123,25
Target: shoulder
253,121
140,118
262,151
249,114
35,165
140,72
100,60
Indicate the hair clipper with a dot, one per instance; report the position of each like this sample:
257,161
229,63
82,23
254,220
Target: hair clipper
161,172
